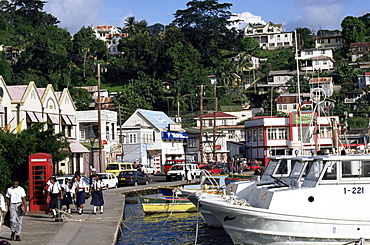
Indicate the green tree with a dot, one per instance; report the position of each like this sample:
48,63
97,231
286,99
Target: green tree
81,97
303,85
204,24
305,38
366,20
346,76
353,30
15,149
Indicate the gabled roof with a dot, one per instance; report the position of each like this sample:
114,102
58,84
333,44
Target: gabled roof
20,92
157,118
219,114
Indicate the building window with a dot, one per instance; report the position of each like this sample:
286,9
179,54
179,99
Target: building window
248,135
82,134
260,134
254,135
132,138
192,142
231,134
277,133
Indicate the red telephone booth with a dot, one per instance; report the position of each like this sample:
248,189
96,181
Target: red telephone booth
40,167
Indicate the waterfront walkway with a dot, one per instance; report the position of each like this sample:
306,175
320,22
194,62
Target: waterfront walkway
80,229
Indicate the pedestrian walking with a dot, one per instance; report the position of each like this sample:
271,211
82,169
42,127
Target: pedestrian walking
17,205
80,186
55,193
68,191
2,209
97,199
188,176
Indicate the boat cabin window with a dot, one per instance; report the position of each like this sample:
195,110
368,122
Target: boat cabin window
331,171
283,167
355,169
315,171
271,167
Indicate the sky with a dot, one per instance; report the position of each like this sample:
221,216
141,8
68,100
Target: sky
313,14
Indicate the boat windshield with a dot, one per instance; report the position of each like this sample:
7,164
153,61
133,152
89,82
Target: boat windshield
271,167
315,171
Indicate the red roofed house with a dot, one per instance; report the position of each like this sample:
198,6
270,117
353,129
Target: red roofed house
316,59
110,35
363,80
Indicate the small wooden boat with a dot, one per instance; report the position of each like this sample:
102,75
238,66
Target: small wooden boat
152,205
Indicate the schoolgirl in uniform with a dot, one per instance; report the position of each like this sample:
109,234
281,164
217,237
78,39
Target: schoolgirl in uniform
68,191
80,186
55,192
97,197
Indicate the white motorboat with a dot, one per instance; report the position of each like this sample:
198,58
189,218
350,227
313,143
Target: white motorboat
216,185
330,206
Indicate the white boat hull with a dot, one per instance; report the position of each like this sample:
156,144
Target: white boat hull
251,225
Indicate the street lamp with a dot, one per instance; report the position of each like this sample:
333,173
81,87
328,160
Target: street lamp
250,150
92,138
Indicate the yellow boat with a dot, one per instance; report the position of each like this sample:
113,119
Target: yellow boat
152,205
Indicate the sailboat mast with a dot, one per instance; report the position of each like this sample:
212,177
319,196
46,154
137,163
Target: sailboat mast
299,89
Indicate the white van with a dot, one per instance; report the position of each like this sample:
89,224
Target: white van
177,171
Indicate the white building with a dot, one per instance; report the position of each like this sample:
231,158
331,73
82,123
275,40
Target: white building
282,136
363,80
316,59
270,36
110,35
149,140
21,106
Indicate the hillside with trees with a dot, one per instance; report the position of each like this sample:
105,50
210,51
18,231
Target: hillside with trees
196,44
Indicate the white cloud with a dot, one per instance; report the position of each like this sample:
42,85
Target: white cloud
246,17
73,14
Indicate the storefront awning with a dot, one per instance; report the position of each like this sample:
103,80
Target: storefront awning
53,118
39,116
32,117
77,147
73,120
153,153
66,120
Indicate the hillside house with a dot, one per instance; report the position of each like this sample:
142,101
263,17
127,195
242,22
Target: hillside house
325,83
270,36
357,50
363,80
316,59
110,35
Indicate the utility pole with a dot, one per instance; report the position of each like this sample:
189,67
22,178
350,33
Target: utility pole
99,122
214,122
201,123
120,129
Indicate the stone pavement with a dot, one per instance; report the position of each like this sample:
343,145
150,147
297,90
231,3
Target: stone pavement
75,229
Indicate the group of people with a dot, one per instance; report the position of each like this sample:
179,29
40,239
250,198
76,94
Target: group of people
73,191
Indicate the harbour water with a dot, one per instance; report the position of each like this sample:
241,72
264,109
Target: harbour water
165,228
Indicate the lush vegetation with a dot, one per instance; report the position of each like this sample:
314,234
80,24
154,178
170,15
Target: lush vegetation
196,44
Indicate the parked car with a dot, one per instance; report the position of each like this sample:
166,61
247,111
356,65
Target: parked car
212,169
61,180
177,171
252,166
117,167
132,178
109,180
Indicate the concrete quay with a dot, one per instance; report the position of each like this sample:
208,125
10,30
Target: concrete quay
81,229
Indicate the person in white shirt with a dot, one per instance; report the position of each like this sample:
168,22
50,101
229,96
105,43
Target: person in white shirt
2,208
16,200
80,186
55,192
97,198
68,191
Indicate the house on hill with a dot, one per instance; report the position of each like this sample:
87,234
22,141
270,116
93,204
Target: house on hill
270,36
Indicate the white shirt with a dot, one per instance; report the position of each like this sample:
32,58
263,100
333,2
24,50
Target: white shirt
97,184
2,203
68,188
15,194
54,189
79,184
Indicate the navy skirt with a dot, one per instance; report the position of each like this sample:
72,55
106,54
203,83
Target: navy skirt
97,198
67,199
80,198
53,200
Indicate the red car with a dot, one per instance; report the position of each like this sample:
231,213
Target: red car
211,169
252,166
